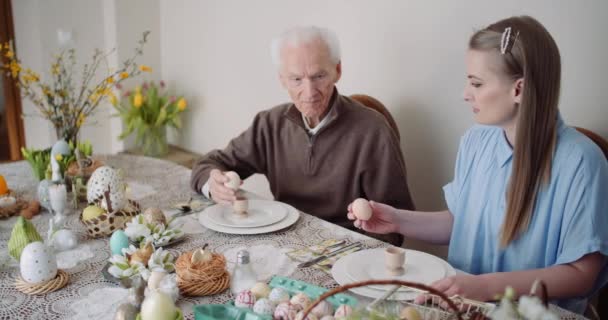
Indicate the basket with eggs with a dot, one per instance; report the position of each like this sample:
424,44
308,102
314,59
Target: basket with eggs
108,209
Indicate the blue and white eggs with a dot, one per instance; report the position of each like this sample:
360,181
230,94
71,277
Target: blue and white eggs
264,307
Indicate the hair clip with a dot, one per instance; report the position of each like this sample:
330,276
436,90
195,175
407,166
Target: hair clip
504,40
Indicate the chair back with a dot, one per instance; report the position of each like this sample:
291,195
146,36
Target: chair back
374,104
596,138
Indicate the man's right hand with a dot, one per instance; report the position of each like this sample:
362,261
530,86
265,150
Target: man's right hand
218,192
383,220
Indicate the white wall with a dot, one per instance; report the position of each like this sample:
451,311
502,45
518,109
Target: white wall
103,24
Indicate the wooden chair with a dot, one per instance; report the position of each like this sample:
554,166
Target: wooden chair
373,103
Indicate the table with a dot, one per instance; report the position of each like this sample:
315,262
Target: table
157,183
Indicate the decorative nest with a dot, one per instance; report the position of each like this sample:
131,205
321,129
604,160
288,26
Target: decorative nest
13,210
54,284
202,279
107,223
90,165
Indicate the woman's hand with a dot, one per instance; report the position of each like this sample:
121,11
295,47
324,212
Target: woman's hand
384,219
465,285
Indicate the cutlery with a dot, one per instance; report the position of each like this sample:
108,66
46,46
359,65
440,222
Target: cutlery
329,255
333,246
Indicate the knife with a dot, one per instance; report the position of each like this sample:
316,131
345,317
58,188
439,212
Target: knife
329,255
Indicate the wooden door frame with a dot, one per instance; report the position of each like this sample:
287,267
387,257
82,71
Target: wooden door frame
14,121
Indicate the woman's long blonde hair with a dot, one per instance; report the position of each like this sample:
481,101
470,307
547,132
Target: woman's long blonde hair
529,53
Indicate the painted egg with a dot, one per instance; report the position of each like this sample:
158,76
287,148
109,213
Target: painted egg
158,306
260,290
245,299
43,193
343,310
64,240
310,316
301,300
285,311
98,184
234,181
38,263
362,209
3,186
118,241
278,295
263,307
60,147
154,216
324,308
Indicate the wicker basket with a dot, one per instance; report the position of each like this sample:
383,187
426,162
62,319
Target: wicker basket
107,223
20,204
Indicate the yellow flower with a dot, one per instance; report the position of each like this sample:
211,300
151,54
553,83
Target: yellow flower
9,54
47,92
181,104
124,75
15,68
80,120
55,69
138,99
110,80
113,99
94,97
145,68
58,157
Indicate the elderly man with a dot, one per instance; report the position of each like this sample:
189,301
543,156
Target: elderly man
319,152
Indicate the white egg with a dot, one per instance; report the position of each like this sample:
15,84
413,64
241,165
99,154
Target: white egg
301,300
234,181
362,209
7,201
64,240
158,306
322,309
278,295
38,263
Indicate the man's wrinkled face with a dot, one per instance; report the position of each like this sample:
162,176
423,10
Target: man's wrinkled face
309,75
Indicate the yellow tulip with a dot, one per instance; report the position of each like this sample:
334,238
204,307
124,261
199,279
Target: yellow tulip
138,99
124,75
145,68
58,157
181,104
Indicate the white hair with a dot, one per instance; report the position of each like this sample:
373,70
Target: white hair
303,35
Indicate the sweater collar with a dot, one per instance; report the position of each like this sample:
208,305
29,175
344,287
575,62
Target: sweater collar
335,104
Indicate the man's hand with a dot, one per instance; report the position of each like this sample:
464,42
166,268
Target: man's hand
383,220
218,192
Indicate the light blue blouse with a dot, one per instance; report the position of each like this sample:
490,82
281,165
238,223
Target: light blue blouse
570,218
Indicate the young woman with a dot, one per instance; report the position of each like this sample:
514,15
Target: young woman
528,200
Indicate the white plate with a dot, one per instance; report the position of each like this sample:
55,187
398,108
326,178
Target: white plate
292,217
340,274
419,267
260,213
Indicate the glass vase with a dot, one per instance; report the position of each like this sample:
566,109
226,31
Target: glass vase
154,142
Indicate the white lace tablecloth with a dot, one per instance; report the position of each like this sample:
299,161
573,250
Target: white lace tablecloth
156,183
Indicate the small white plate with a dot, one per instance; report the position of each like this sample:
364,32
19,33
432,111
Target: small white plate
292,217
340,273
260,213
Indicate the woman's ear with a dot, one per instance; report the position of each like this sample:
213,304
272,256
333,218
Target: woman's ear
518,90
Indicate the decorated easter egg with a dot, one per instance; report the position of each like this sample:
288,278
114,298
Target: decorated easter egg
362,209
343,310
285,311
310,316
154,216
322,309
158,306
60,147
103,178
245,299
118,241
278,295
38,263
64,239
301,300
263,307
260,290
234,181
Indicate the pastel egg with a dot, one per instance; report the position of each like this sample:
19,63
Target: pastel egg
38,263
234,181
260,290
301,300
154,216
158,306
285,311
60,147
343,310
278,295
263,307
361,209
322,309
118,241
245,299
310,316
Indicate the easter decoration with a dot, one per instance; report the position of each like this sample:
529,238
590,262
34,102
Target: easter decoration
201,273
109,209
153,226
10,203
140,261
23,234
39,273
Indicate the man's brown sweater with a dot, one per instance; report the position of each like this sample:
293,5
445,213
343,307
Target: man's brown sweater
355,154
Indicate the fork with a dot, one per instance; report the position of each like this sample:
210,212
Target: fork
329,255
